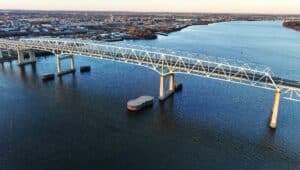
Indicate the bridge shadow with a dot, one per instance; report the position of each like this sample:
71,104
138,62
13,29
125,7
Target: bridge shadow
4,67
72,82
167,117
26,74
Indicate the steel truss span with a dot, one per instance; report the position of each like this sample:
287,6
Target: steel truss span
161,62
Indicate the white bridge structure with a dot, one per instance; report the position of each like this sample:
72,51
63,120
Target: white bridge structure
165,64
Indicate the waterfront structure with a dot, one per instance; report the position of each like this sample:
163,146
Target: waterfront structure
165,64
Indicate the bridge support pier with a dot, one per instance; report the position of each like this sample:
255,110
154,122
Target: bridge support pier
59,58
21,59
275,109
9,53
163,95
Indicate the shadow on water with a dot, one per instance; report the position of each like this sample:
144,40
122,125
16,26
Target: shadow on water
27,72
66,87
4,68
71,81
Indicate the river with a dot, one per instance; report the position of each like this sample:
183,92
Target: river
81,121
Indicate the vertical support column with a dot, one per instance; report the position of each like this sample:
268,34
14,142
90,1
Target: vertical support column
171,82
32,56
9,53
58,65
72,63
273,121
162,87
20,56
1,55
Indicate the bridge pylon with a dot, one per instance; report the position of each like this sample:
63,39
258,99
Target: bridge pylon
275,109
21,58
61,57
1,54
9,53
163,94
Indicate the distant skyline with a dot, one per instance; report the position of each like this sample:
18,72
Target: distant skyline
214,6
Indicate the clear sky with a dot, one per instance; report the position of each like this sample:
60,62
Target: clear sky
244,6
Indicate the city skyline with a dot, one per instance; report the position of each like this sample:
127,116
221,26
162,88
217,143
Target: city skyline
214,6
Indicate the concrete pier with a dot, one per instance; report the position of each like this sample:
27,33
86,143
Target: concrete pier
48,77
21,59
162,87
32,56
171,82
1,55
20,56
9,53
72,69
58,65
163,95
85,69
140,103
275,109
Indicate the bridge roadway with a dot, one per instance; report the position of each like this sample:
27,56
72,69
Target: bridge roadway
163,63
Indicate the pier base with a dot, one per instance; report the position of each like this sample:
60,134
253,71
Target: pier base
274,114
27,62
70,71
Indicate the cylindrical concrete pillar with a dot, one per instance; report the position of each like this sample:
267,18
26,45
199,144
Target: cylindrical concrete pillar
32,56
20,56
9,53
162,87
273,121
172,82
72,63
58,65
1,55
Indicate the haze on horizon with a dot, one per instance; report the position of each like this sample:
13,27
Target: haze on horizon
214,6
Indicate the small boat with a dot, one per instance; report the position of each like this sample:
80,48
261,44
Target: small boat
140,103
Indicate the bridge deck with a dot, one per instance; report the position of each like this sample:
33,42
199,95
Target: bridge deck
163,63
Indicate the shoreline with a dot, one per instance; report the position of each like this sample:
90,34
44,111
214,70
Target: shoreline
293,25
155,33
191,25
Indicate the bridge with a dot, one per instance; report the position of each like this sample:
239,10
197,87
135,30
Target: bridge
165,64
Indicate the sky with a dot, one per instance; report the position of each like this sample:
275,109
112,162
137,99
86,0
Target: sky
219,6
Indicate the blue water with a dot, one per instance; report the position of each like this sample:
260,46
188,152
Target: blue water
259,44
81,121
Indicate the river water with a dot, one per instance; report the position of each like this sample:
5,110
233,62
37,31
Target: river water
81,121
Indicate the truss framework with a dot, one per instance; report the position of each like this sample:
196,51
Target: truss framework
161,62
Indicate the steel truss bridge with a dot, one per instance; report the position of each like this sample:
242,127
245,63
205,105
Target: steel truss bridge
165,64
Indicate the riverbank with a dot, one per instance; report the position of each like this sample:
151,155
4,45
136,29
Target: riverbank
295,25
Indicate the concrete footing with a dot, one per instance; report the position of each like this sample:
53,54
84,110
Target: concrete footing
166,95
48,77
85,69
169,93
70,71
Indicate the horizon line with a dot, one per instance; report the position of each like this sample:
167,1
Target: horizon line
151,11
